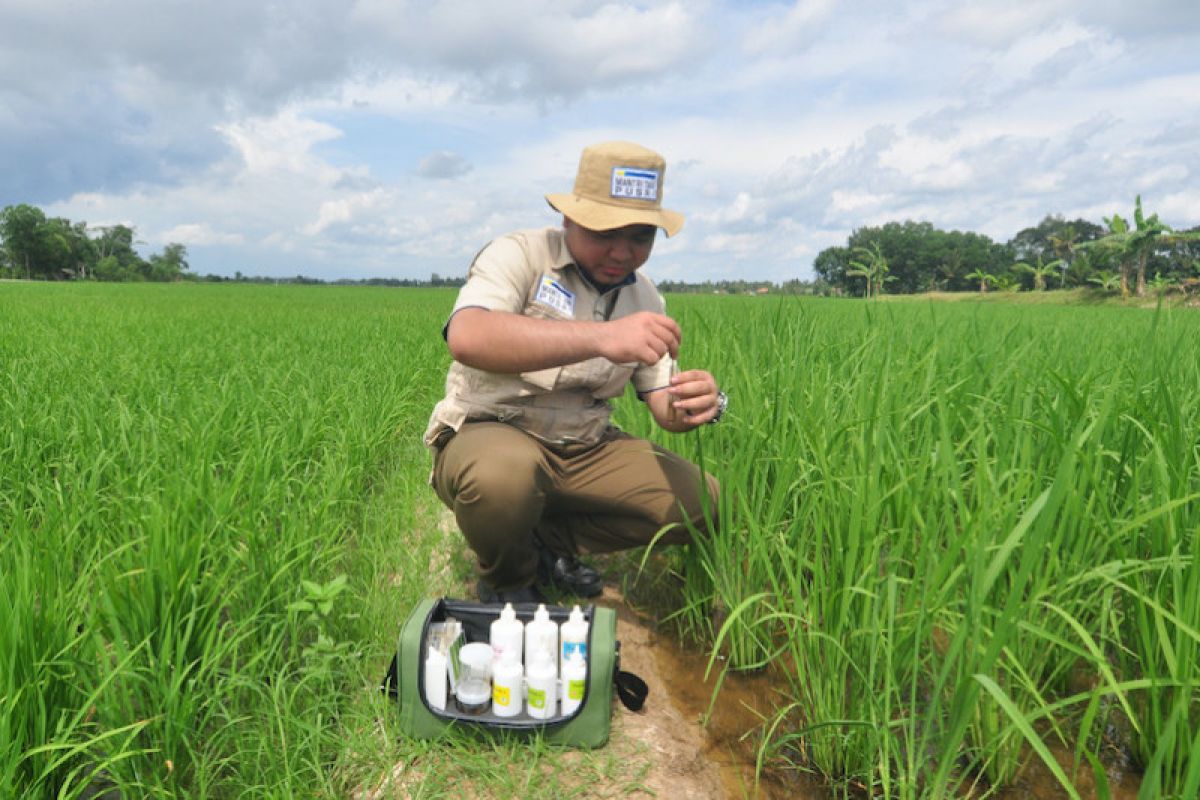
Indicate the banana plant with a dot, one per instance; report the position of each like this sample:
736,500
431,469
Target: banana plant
873,267
1040,272
1133,244
984,278
1108,280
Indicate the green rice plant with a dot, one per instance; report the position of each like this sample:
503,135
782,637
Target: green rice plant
933,520
217,447
930,510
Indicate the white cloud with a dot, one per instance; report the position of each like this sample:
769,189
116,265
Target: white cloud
199,233
395,138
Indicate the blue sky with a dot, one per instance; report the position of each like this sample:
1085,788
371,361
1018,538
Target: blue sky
385,138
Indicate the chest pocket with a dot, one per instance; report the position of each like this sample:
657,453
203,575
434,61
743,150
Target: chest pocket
598,376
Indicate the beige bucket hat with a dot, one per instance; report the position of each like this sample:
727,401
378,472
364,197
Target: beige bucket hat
618,184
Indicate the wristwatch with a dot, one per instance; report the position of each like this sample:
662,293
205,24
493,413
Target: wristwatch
722,404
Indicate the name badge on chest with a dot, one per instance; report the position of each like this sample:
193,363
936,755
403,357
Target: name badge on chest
554,295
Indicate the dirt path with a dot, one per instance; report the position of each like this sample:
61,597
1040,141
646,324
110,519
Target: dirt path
679,767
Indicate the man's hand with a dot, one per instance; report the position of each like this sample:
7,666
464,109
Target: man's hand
644,337
690,401
502,341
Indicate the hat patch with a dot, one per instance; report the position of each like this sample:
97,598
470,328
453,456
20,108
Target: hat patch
634,184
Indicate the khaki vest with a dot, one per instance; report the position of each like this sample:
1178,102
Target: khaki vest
531,273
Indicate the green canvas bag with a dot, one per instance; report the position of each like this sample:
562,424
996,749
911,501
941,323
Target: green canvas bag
587,727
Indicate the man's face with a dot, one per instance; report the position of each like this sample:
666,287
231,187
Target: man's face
608,257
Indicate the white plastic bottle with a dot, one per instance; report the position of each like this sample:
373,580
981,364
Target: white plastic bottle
572,638
541,637
435,679
541,686
507,635
507,677
574,683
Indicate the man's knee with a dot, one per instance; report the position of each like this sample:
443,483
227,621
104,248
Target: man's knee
503,479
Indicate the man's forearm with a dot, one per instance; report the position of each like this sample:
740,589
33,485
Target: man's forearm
499,341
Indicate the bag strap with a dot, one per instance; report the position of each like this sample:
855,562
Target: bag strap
389,684
631,690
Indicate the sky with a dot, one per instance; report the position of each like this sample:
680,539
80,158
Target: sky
393,139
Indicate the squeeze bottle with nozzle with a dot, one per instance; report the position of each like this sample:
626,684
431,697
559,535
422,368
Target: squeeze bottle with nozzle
507,635
541,638
572,638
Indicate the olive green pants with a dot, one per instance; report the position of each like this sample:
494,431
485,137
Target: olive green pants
505,488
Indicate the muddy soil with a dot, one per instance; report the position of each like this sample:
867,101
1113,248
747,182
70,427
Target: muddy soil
704,751
695,757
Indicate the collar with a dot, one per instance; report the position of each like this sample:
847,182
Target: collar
603,290
563,260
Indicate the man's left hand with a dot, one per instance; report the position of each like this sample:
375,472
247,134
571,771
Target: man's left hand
689,401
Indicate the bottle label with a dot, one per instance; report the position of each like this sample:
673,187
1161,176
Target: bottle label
575,690
501,696
574,648
537,698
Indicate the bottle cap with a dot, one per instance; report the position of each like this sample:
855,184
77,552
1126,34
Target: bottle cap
508,613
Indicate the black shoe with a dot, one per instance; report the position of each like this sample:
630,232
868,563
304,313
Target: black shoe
568,575
526,594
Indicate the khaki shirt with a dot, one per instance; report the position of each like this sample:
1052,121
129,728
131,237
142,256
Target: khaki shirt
531,273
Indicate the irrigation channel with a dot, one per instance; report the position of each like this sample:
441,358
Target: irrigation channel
723,760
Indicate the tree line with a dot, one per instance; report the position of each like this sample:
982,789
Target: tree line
34,246
1131,255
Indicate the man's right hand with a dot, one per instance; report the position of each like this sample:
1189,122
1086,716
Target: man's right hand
644,337
502,341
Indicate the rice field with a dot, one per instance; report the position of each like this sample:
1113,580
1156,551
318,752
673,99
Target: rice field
962,535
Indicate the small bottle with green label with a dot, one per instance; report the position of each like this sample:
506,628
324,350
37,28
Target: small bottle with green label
541,687
574,682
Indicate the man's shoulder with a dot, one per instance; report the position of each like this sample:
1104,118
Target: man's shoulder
532,239
537,249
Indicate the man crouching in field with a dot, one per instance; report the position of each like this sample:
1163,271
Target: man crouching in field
549,326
